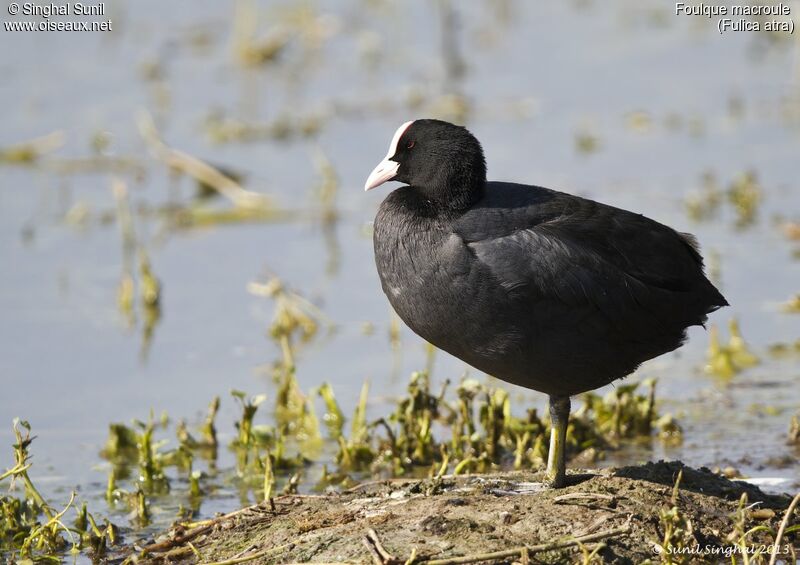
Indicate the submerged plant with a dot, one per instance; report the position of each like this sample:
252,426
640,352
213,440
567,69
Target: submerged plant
140,462
794,430
209,428
248,435
471,429
792,306
484,433
586,142
745,194
783,350
30,528
622,413
704,204
269,477
740,352
295,414
333,418
151,463
28,152
295,318
148,284
356,452
221,128
251,48
728,360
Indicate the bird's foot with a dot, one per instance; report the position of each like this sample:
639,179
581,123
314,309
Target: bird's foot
559,481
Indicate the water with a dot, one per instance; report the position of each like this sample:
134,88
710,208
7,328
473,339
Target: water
535,78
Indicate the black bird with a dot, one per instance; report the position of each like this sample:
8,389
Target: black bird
539,288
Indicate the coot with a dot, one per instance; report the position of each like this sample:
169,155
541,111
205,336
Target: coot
539,288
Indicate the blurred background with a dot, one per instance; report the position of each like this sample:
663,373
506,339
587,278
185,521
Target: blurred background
129,283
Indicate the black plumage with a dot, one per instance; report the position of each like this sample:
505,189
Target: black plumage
540,288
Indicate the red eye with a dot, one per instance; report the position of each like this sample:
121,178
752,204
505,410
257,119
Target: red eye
409,145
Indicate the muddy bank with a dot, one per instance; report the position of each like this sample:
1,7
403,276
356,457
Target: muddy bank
620,515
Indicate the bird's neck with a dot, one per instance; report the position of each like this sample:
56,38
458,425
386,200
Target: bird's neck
457,192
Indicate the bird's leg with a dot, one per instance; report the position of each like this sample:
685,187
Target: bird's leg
556,457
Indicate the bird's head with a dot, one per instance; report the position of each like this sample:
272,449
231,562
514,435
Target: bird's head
441,160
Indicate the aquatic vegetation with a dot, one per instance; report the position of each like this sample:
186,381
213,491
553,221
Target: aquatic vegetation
269,454
785,350
295,414
37,153
33,530
221,128
140,463
395,330
472,430
269,477
199,170
150,286
295,435
445,433
296,24
728,360
250,48
791,230
705,203
484,434
745,194
621,413
451,106
249,436
333,418
587,142
739,350
794,430
792,306
325,195
196,216
209,428
31,151
129,446
295,320
356,452
148,283
639,121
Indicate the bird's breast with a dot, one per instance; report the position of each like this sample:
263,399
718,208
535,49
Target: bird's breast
435,286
